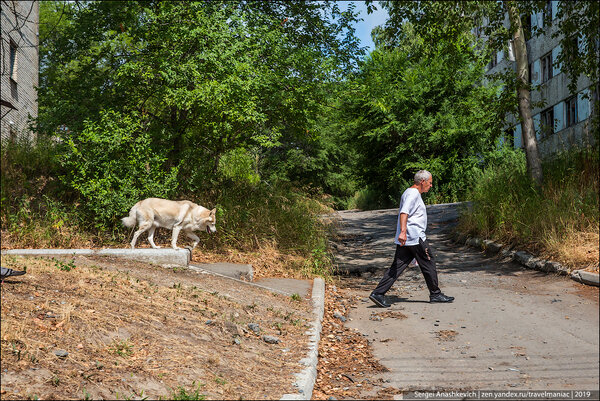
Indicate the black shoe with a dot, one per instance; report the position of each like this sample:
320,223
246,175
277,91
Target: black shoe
379,300
440,298
10,273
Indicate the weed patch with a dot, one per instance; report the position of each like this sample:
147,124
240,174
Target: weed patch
558,221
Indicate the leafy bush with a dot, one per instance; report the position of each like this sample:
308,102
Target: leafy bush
112,165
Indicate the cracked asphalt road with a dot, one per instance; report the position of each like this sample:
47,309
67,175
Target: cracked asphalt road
509,328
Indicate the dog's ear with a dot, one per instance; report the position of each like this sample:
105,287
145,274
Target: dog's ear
213,212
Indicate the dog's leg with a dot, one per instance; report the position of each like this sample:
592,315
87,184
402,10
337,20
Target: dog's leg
151,237
176,230
177,225
193,237
143,227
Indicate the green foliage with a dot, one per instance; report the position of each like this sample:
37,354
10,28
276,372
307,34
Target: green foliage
406,112
207,93
122,348
281,215
578,23
508,207
182,394
29,169
66,267
112,165
320,263
209,79
239,165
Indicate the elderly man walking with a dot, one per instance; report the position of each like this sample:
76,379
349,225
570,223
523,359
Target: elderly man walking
411,243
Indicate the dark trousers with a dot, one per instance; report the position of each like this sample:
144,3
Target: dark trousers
404,255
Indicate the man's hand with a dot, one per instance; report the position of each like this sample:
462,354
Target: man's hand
402,238
403,222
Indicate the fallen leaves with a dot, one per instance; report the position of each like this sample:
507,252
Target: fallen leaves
346,366
447,335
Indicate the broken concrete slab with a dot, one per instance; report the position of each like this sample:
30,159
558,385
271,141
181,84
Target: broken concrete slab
234,270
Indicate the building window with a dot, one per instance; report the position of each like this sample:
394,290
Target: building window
547,127
571,106
572,48
548,13
13,61
526,24
494,61
546,67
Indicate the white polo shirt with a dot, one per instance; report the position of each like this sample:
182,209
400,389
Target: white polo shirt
412,204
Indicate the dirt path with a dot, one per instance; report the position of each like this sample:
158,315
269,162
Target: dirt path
509,328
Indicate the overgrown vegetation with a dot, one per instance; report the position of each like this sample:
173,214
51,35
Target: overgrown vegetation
416,107
239,106
558,220
250,217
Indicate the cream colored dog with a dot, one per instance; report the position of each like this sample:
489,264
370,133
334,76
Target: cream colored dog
183,215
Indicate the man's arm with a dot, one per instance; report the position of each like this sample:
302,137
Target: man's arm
402,236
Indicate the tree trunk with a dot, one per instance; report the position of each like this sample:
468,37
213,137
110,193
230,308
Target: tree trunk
534,165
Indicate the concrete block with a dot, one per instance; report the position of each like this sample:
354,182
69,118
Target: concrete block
535,263
586,277
539,264
474,242
507,253
47,252
180,257
492,247
523,257
555,267
160,256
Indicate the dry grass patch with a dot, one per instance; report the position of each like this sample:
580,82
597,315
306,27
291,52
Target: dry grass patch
347,368
134,330
578,250
267,261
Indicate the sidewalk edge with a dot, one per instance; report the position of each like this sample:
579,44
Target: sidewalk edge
306,379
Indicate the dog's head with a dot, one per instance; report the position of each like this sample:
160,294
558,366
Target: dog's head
211,221
206,220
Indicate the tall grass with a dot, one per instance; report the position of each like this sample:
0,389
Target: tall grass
31,211
558,220
279,224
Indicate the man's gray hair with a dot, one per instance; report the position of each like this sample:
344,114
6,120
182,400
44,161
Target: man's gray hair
422,175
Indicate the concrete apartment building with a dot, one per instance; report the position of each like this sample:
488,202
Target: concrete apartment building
564,121
19,66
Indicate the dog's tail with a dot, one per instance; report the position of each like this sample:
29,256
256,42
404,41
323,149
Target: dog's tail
131,220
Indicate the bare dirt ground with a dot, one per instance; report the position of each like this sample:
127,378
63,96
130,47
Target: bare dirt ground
509,328
93,328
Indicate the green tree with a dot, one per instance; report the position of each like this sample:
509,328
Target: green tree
419,106
202,80
445,20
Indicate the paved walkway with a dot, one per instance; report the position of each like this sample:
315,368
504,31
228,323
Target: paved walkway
509,328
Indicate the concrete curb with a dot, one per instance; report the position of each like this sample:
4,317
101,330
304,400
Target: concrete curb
306,379
179,257
585,277
528,260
